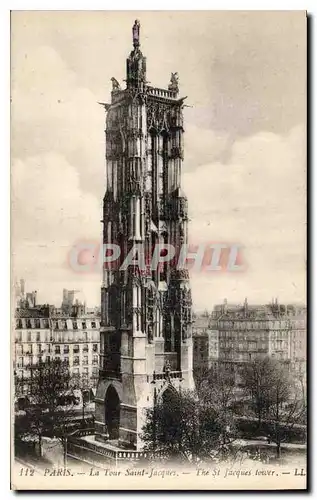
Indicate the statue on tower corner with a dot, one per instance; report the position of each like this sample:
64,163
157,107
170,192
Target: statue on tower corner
174,82
115,84
136,33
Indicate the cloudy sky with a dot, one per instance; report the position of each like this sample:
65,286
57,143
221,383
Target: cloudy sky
245,154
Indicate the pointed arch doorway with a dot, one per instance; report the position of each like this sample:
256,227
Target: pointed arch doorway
112,412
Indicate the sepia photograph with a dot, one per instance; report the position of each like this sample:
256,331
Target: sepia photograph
158,250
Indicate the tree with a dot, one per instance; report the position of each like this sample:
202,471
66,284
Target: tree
82,384
218,386
217,395
51,402
202,373
257,377
184,426
275,397
285,406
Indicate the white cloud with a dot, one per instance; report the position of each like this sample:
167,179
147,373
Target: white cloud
57,172
203,146
51,214
48,201
257,200
51,112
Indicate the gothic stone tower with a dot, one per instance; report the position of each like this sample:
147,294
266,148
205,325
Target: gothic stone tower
145,336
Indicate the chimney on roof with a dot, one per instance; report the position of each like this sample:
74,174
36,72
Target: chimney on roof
225,305
245,306
29,300
22,287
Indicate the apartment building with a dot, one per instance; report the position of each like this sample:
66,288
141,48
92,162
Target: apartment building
44,332
247,332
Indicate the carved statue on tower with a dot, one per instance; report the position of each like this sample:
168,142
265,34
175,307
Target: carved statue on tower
136,33
115,84
173,85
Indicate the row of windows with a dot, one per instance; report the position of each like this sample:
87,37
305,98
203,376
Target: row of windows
299,334
48,336
32,323
77,360
78,336
253,325
76,325
280,334
243,345
280,355
245,356
275,337
76,348
299,344
38,348
95,371
56,324
299,324
279,344
75,371
29,349
37,337
236,356
234,335
227,355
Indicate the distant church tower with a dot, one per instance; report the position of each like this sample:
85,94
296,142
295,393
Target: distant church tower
146,318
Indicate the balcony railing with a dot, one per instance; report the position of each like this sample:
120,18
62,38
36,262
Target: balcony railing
164,376
83,432
170,94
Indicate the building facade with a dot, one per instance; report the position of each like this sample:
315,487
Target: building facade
234,334
251,331
76,340
145,335
43,333
32,344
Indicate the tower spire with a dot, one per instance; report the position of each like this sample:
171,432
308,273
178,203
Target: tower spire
136,33
136,63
